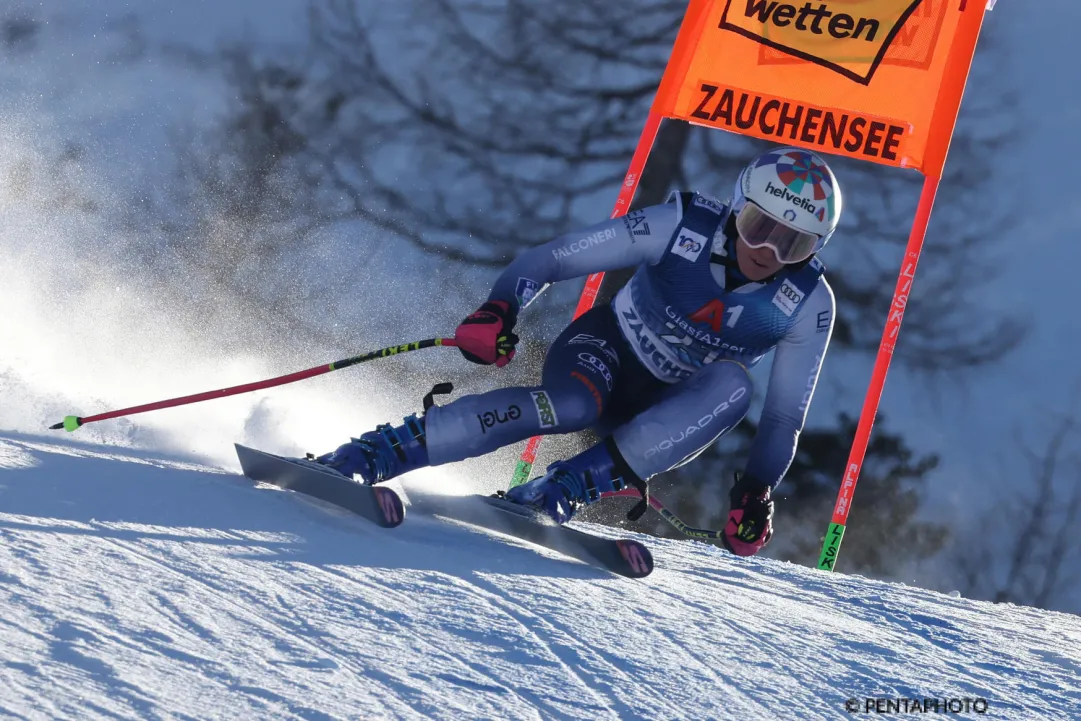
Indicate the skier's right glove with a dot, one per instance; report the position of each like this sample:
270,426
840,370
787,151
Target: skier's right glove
487,337
750,518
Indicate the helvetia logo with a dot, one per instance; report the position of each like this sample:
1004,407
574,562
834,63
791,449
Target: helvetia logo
847,36
797,200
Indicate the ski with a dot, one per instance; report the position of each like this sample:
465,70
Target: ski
378,504
382,506
623,556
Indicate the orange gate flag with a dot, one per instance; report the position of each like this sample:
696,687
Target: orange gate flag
870,79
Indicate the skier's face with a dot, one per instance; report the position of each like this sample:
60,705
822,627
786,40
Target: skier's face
756,263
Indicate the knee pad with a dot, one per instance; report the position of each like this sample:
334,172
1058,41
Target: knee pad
730,384
576,408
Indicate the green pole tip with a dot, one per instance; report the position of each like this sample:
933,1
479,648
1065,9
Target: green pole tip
72,423
521,473
831,547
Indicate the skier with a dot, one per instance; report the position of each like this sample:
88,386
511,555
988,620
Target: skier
661,371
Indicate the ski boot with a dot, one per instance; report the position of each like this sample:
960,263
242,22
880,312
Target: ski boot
570,484
382,454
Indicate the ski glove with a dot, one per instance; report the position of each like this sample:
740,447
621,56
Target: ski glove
750,518
486,337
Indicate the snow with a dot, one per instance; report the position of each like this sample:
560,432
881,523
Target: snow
138,585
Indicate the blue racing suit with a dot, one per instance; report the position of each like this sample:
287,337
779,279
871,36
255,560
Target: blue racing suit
662,369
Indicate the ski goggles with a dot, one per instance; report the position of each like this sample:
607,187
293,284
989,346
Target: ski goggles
758,228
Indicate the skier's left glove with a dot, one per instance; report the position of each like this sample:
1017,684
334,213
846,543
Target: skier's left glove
487,336
750,518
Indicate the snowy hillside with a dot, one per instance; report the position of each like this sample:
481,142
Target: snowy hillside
133,586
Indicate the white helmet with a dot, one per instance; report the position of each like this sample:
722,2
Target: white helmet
789,200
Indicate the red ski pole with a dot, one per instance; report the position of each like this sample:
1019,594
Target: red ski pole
71,423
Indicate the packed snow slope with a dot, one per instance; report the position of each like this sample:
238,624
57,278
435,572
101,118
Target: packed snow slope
137,586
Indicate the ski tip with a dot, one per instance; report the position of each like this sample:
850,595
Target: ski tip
638,558
390,504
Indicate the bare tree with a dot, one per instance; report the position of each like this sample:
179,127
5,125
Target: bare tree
1030,557
499,111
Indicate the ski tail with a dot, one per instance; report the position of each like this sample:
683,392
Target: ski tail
625,557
